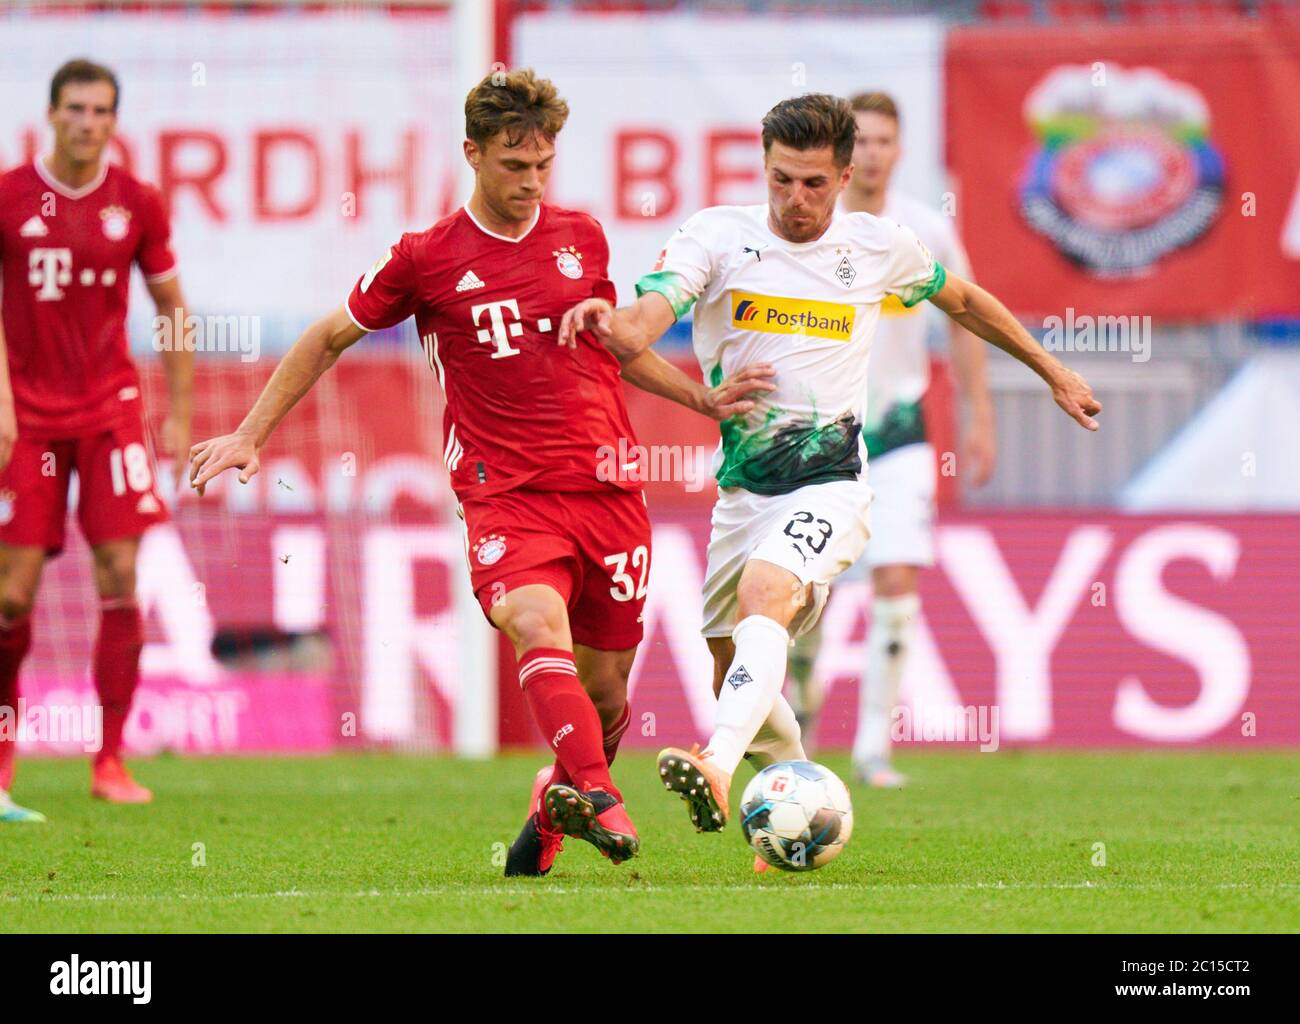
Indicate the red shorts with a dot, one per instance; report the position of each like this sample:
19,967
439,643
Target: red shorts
593,547
118,489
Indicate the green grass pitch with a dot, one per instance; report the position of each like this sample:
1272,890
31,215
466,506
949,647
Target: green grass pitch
996,842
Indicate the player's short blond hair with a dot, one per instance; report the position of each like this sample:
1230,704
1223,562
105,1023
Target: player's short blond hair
516,102
875,103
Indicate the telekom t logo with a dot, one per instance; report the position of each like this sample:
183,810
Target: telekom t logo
47,269
498,333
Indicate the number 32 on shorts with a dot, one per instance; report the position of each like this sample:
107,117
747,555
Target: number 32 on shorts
625,588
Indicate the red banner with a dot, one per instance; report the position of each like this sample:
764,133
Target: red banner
1130,169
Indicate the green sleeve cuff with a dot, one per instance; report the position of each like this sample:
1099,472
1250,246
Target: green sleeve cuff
921,291
672,287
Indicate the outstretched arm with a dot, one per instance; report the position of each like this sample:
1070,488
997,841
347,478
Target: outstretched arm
311,355
651,372
627,331
983,315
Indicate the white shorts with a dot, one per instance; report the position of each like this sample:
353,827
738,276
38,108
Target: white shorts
815,532
902,516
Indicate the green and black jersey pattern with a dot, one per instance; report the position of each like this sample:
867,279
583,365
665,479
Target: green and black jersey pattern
777,459
902,425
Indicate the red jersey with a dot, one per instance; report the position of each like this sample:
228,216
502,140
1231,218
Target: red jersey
521,410
65,256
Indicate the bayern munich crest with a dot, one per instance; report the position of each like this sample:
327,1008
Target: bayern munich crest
1125,172
489,549
568,261
116,222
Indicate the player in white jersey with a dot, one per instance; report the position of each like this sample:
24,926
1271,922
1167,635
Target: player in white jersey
903,468
796,283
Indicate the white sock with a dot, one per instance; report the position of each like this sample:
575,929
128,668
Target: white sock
893,624
749,689
778,739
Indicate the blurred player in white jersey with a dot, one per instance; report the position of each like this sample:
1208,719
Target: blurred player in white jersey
798,284
903,468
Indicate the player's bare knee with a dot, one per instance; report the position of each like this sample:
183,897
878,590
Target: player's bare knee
894,580
775,594
604,676
20,578
115,570
116,580
535,627
610,705
16,605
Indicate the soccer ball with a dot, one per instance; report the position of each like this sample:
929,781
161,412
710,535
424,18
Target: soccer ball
796,815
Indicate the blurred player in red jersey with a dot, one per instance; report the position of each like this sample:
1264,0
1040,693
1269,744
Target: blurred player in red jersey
558,546
70,228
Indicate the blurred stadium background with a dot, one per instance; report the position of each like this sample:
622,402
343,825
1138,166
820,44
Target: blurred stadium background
1140,587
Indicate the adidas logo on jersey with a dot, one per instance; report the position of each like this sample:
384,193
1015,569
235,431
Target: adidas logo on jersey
33,228
739,678
469,282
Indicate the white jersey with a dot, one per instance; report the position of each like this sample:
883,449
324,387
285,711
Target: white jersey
811,309
900,361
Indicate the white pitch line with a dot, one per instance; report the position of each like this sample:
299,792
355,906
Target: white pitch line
554,890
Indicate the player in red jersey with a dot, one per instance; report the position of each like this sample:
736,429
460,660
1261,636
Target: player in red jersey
71,226
558,549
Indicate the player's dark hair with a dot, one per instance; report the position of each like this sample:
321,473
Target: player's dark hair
516,102
812,121
82,71
875,103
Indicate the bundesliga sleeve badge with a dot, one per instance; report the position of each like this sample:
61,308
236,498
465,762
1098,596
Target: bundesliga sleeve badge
568,261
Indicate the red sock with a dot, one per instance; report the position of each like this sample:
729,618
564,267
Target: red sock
566,716
614,734
117,668
15,639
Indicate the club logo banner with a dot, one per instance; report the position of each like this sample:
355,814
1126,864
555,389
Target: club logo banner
1122,169
1123,175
